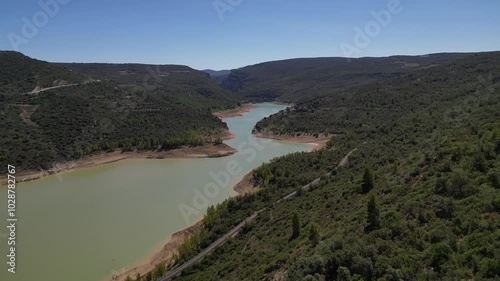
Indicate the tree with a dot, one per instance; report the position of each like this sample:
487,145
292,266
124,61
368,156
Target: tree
128,278
372,214
160,270
343,274
138,277
494,178
314,235
459,184
295,225
367,184
440,254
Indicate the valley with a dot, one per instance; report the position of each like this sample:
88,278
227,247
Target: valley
377,169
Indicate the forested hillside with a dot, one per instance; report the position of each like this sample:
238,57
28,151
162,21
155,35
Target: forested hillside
21,74
418,199
118,111
174,80
358,106
297,79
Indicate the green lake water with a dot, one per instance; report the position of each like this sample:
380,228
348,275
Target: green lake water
85,225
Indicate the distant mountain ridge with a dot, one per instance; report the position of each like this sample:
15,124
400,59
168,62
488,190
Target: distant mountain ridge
218,75
294,79
217,72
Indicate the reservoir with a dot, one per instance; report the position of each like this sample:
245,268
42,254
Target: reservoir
86,224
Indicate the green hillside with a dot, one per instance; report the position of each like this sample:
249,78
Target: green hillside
418,199
21,74
346,109
174,80
115,112
295,79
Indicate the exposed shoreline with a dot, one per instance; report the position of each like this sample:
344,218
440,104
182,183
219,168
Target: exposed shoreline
317,142
235,112
165,255
246,185
207,151
170,248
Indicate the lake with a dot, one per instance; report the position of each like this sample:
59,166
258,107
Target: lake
87,224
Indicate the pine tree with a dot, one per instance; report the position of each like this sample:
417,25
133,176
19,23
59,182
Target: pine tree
372,214
295,225
314,235
343,274
367,184
160,270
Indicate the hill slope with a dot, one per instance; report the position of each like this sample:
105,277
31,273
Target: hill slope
418,199
121,110
295,79
173,80
21,74
347,108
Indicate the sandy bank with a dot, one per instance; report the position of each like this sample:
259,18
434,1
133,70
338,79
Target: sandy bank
165,255
170,249
235,112
246,185
207,151
317,142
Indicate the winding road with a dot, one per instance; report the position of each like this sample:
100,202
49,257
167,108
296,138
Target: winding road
61,86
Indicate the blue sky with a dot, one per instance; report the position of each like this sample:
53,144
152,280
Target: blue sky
243,32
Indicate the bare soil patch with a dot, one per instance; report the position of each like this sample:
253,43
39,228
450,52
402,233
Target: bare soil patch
235,112
316,142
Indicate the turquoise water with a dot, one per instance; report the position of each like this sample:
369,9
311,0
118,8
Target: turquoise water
87,224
